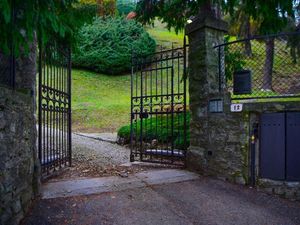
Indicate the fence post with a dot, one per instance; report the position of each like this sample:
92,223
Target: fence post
218,137
205,32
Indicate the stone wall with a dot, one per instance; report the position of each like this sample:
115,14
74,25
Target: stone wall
19,169
216,145
220,141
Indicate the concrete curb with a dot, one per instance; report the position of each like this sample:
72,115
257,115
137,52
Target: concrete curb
90,186
96,137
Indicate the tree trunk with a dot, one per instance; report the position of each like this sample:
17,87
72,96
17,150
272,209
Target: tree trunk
206,8
293,54
248,47
268,67
100,8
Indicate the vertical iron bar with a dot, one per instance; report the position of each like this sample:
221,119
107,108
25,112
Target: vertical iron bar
54,108
57,111
51,113
44,107
64,117
178,113
136,94
40,104
69,109
141,115
167,103
61,65
151,102
172,103
220,79
145,87
65,155
162,98
156,99
184,100
48,108
131,108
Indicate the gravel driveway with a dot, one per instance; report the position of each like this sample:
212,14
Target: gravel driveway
96,158
99,152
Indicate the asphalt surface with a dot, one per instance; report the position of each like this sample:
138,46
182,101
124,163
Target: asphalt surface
200,201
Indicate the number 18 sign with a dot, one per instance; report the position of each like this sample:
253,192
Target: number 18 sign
236,107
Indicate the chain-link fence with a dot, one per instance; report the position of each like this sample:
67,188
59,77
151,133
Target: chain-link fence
261,67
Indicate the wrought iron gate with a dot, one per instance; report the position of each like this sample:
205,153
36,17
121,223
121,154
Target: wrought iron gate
54,108
158,107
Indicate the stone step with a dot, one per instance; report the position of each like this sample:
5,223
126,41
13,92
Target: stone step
87,186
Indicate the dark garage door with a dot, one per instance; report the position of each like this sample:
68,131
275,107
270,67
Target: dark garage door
280,146
272,146
293,146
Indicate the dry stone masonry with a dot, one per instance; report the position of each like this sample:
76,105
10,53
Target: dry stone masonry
19,170
220,141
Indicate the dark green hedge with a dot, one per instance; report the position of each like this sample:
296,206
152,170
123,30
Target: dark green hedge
105,45
161,125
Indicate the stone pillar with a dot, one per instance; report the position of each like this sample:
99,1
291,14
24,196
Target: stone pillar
212,140
19,166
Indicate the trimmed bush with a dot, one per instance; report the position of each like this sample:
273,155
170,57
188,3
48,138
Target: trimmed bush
106,45
163,130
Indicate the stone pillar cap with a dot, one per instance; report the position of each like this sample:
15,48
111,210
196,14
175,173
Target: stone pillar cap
206,21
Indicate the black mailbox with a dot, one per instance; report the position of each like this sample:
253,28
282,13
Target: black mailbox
242,82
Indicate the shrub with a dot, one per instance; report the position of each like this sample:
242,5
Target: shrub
106,45
160,129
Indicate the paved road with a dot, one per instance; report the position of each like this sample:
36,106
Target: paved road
197,201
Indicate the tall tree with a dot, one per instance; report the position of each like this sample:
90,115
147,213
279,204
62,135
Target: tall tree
21,23
19,20
271,15
293,41
174,13
243,25
106,7
272,18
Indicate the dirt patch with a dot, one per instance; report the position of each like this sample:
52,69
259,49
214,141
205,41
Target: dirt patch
95,158
81,169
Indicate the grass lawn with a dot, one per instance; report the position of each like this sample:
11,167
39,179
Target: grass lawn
101,103
164,37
